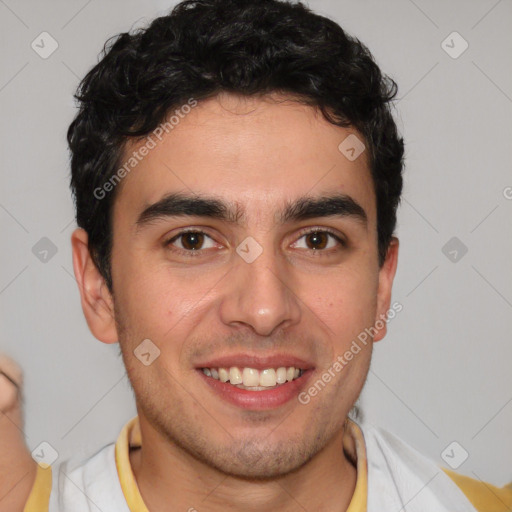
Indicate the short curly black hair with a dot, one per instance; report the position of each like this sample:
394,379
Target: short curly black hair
247,47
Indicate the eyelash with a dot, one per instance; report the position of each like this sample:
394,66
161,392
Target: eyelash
196,253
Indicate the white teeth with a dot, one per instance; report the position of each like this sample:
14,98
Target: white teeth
223,374
280,375
268,378
251,378
235,376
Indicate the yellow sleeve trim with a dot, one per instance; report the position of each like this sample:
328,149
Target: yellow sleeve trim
484,496
39,498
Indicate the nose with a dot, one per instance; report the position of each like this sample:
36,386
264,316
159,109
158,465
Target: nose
261,295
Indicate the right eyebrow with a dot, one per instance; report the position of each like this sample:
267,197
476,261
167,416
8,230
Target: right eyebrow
181,205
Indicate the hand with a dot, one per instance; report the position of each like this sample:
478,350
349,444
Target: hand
11,382
17,468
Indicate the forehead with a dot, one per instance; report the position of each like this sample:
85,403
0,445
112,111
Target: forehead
257,152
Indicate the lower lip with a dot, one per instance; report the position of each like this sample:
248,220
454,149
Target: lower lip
258,400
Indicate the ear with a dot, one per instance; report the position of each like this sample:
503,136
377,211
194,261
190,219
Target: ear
97,301
386,277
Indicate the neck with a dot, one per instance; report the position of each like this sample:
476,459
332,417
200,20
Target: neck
166,474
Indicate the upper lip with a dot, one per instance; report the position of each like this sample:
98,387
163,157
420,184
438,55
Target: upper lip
257,362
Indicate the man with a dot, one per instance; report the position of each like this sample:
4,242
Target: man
236,173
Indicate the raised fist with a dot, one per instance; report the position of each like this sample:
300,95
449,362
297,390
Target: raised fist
17,468
11,381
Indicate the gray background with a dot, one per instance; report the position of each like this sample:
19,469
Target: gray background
442,374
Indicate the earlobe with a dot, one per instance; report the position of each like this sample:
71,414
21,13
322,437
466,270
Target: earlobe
96,299
386,277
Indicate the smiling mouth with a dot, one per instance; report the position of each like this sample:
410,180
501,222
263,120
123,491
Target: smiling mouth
252,379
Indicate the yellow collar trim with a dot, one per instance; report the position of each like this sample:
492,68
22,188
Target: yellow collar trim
39,497
130,437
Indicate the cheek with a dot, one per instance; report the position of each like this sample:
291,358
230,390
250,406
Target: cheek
159,303
346,301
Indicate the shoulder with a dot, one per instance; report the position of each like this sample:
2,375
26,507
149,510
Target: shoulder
484,496
392,460
65,486
93,481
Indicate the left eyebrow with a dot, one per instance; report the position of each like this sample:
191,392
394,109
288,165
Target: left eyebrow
303,208
338,205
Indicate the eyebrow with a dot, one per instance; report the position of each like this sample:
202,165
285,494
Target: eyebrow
303,208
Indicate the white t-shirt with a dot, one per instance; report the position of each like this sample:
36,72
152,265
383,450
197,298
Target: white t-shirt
391,477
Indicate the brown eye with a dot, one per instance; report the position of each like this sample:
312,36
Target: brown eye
192,241
317,239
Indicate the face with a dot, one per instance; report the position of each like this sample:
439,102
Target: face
248,278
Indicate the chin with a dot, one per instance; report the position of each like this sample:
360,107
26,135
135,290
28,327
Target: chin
255,460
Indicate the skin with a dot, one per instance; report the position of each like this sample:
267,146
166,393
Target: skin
200,452
17,468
